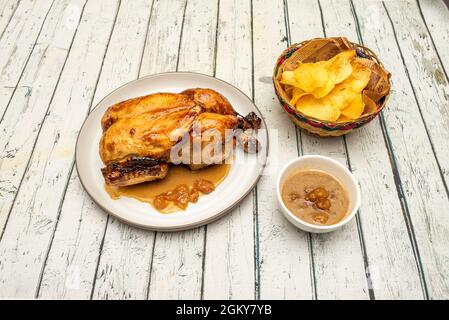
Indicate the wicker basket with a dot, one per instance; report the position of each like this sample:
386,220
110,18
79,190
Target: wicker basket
312,125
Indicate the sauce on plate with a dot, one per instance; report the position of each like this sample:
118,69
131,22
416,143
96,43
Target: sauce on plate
315,197
180,187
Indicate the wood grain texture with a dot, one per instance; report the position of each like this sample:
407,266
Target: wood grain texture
7,10
124,268
422,187
284,259
164,37
126,262
16,44
32,220
84,232
436,16
69,271
390,263
337,257
177,265
31,98
427,192
230,242
428,77
59,58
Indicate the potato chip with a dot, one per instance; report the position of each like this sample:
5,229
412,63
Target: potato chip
296,94
340,65
324,91
370,105
359,78
288,90
310,76
288,78
344,55
331,90
341,96
355,109
343,118
313,107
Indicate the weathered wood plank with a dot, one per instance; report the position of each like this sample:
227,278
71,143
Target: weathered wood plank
423,196
178,257
427,192
390,266
436,15
337,256
229,239
76,247
7,10
284,256
69,271
30,100
427,75
32,220
123,270
164,36
126,248
16,44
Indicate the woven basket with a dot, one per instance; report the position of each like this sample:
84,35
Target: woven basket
312,125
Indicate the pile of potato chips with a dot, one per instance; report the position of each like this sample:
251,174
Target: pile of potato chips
329,90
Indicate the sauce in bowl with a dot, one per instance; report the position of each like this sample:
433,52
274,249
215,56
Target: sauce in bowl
315,197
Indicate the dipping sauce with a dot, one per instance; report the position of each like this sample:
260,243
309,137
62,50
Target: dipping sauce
315,197
180,187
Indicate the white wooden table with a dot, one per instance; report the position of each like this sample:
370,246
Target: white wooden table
59,58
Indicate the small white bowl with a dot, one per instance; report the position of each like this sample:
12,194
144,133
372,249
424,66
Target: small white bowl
335,169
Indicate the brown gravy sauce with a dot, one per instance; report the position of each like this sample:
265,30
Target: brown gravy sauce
178,180
315,197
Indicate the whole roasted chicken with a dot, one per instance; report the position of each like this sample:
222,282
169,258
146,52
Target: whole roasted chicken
142,136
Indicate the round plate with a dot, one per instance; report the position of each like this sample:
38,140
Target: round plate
243,176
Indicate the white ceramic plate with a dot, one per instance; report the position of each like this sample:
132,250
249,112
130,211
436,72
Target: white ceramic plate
243,176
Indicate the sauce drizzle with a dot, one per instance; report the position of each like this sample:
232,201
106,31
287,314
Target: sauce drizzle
180,187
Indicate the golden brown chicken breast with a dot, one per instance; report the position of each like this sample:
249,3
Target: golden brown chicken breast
152,103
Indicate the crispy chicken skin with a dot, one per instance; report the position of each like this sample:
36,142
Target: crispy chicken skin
207,127
139,134
210,100
147,135
134,170
152,103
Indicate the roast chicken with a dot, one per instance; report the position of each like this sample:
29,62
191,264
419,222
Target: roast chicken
141,135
